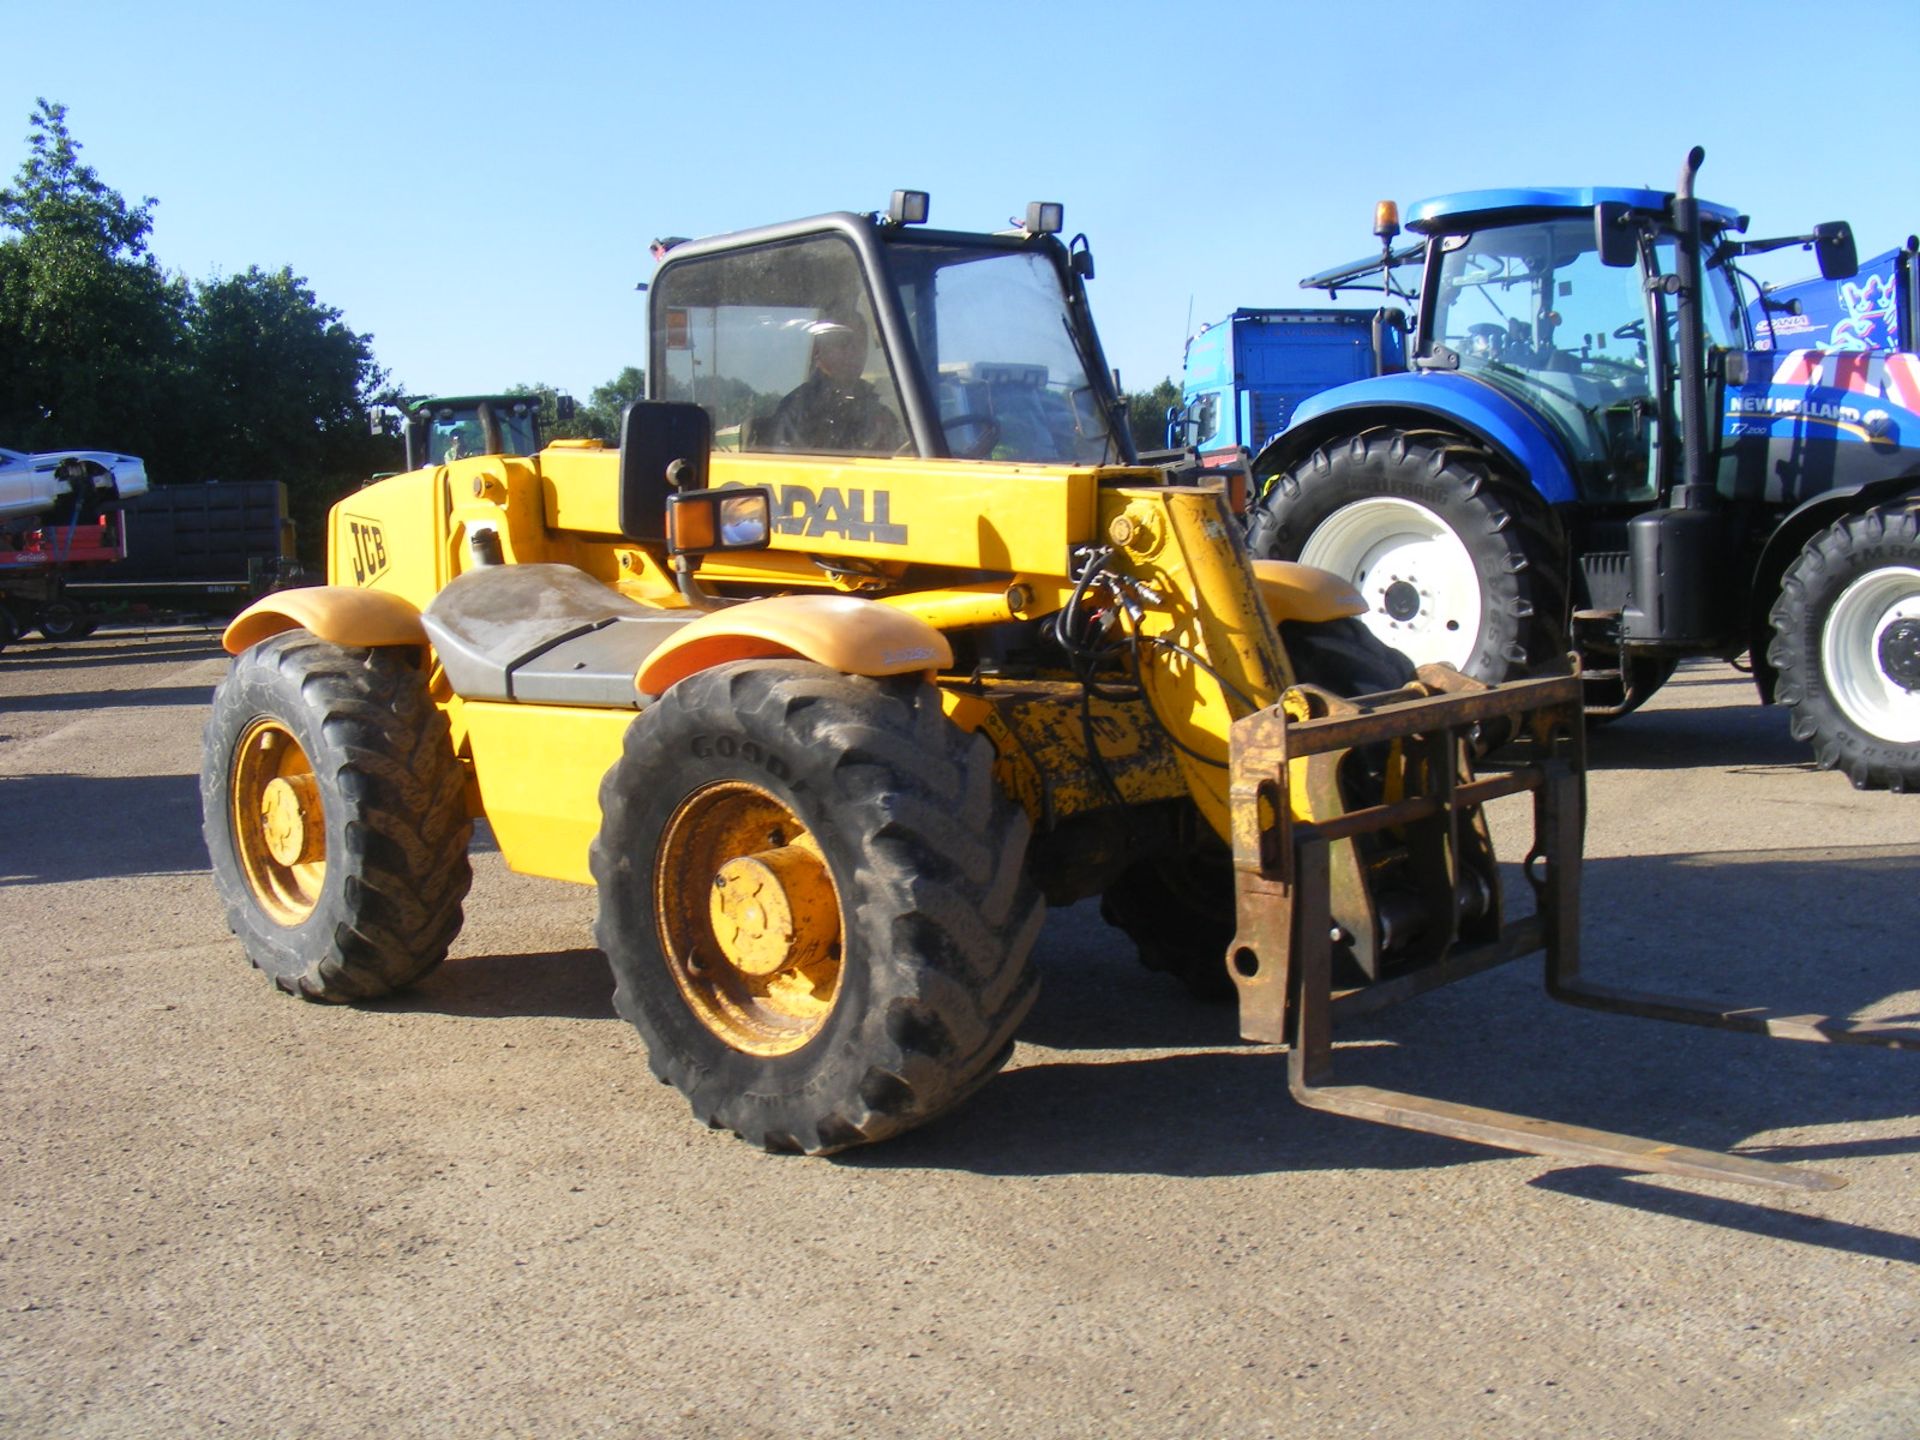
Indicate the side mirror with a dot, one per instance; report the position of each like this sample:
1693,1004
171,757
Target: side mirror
1180,427
1833,243
1613,236
665,445
1080,257
563,407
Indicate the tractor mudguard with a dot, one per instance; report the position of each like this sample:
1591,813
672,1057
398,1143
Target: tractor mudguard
338,614
841,632
1429,398
1292,591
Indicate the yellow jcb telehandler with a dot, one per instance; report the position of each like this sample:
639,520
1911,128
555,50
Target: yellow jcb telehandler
871,639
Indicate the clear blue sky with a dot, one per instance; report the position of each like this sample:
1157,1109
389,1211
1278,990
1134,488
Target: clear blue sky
475,184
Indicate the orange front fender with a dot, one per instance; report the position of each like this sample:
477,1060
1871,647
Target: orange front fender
841,632
338,614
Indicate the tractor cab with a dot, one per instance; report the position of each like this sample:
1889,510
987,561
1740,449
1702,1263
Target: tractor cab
443,429
870,336
1577,305
1518,297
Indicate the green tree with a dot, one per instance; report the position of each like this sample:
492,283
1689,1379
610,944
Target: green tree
1147,414
609,401
90,327
282,386
243,377
599,417
279,389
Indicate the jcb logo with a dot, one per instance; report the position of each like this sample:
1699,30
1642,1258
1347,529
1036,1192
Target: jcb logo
851,514
369,550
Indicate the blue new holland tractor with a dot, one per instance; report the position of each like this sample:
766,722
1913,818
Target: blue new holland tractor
1590,450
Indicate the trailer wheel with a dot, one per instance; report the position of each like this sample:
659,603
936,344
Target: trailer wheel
62,621
1459,563
1846,644
335,816
814,900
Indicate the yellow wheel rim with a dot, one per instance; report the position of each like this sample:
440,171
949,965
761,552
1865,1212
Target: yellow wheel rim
279,828
749,918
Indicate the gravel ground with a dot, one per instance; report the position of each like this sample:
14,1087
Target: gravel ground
469,1210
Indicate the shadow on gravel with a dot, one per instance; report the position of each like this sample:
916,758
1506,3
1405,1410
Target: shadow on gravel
198,696
1737,739
564,985
60,828
1654,1198
1725,927
95,652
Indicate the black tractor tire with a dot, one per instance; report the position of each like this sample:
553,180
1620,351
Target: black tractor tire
1846,646
1485,582
927,973
63,621
9,626
1178,906
1178,910
382,807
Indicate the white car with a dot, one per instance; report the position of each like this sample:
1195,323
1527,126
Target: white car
95,479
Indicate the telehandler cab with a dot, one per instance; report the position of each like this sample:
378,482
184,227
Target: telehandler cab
871,639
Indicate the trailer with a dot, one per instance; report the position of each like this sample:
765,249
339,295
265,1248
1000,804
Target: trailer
206,549
60,514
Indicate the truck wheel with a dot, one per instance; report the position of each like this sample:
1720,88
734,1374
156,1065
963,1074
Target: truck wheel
335,816
9,626
62,621
1846,644
814,900
1459,564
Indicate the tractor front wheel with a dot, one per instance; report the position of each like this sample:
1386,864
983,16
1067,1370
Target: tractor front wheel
335,815
1846,644
814,900
1457,563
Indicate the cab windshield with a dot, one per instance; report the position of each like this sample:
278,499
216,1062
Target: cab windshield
455,432
999,352
1530,310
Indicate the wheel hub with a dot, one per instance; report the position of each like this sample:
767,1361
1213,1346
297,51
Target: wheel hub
748,918
289,819
1900,654
1416,573
278,821
774,911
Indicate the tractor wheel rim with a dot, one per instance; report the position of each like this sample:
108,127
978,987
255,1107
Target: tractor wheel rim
749,918
279,825
1422,588
1867,680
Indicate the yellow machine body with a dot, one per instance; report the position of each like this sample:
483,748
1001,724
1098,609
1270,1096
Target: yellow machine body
536,768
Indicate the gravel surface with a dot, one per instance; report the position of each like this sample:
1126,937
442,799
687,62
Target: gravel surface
470,1210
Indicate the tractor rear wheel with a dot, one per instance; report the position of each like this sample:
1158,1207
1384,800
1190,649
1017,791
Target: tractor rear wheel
1846,645
814,900
1458,562
335,815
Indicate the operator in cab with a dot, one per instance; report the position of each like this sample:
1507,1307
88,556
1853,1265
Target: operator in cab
834,410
